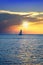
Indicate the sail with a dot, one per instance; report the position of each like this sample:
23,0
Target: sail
20,33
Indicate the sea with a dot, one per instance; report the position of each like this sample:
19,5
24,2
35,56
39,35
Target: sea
21,49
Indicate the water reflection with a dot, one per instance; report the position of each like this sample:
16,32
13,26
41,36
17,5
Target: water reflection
24,50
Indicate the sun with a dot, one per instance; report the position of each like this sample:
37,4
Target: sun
25,24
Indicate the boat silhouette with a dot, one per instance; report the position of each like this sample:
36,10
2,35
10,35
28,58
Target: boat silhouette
20,33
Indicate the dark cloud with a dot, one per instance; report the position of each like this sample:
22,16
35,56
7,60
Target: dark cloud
14,19
9,20
32,19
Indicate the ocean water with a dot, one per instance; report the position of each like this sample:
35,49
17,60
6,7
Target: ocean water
21,49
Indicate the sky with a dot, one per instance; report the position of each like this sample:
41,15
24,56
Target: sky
21,14
21,5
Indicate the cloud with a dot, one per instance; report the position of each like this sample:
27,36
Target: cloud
19,13
8,18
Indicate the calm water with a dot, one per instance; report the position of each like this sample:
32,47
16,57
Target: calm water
21,50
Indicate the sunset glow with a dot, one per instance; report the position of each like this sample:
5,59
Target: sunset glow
25,24
29,23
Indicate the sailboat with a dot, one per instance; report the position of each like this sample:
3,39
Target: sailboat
20,33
